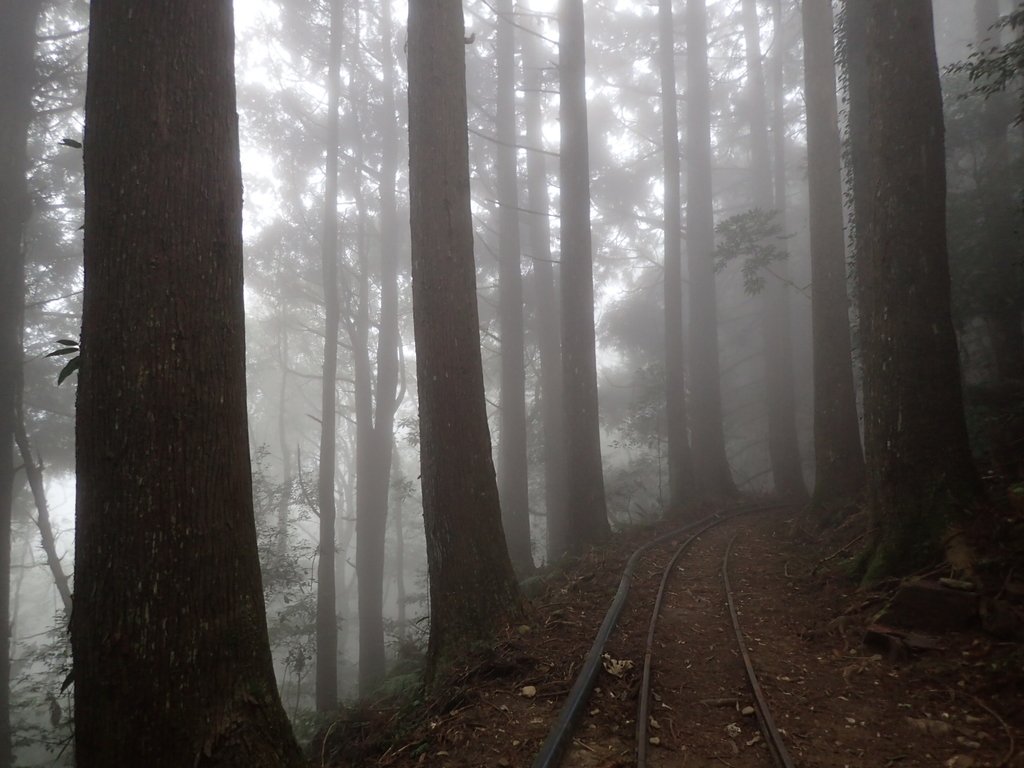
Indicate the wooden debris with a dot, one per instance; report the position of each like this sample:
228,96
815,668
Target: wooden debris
929,606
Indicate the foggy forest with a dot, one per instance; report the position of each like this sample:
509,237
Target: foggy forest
554,382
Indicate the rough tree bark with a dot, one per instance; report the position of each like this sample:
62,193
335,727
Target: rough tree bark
548,316
473,591
584,483
512,464
838,459
710,465
171,659
921,476
17,81
326,591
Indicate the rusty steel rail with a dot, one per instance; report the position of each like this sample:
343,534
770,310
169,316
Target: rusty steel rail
551,752
772,737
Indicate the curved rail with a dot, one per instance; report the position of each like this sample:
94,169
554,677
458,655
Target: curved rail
771,734
551,752
644,697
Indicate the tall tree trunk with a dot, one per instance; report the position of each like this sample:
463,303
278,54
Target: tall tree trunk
783,451
757,104
473,591
17,82
284,503
584,485
326,595
838,459
548,316
710,465
401,621
512,465
680,460
375,472
169,633
783,443
921,476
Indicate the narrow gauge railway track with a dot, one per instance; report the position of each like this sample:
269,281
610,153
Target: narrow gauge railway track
561,734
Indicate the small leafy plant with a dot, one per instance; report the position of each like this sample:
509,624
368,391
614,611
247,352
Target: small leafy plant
67,347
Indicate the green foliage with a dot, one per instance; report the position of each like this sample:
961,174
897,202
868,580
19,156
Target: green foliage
994,69
641,426
41,707
67,347
286,562
985,214
634,485
751,236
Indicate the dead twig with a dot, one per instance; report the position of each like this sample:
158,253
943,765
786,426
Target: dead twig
585,746
1009,732
839,551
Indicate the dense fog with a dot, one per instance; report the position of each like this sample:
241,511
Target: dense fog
762,290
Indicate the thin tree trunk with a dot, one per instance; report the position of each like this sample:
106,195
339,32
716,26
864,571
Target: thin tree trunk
326,596
548,315
584,485
838,459
783,443
711,467
169,633
284,503
473,591
374,475
17,63
402,621
783,451
512,464
680,460
34,472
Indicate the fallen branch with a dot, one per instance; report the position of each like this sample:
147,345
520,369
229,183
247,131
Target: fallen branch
1009,732
839,551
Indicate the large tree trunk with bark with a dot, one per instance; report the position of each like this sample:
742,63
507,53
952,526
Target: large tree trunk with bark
171,659
17,81
512,464
710,465
838,459
680,461
921,476
473,591
584,485
326,591
548,316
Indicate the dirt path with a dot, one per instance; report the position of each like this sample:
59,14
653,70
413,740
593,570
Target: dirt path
837,703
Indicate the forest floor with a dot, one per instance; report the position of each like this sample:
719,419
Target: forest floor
959,704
